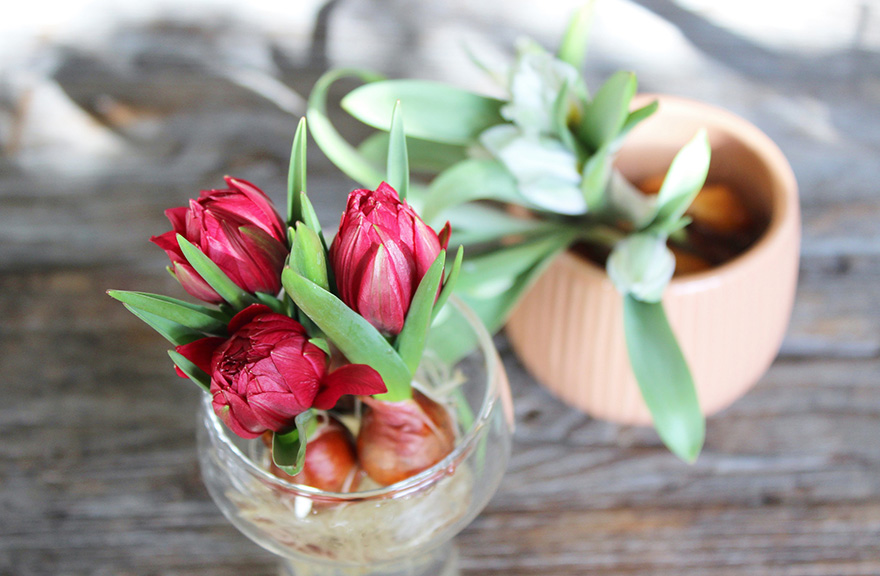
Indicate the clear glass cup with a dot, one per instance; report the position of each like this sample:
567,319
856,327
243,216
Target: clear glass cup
403,529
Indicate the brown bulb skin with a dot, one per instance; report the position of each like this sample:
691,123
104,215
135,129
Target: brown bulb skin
719,209
331,460
398,440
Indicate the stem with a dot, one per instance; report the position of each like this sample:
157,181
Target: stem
602,235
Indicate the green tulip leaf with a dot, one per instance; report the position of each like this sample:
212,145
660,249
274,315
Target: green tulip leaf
198,318
410,342
296,175
573,48
682,183
424,156
606,115
664,378
307,256
596,173
356,338
310,217
289,448
633,120
560,119
213,275
449,283
176,333
193,372
397,172
345,156
435,111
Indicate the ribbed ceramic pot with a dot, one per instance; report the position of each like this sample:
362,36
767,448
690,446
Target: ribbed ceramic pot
729,320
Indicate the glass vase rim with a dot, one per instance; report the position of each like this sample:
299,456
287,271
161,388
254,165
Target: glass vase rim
427,477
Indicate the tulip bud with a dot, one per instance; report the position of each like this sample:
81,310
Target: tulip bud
331,460
380,254
400,439
238,229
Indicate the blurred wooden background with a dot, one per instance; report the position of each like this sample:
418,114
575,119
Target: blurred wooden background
111,112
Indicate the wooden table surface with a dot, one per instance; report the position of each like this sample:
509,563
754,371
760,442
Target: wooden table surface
108,118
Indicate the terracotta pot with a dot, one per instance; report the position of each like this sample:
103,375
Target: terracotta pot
729,320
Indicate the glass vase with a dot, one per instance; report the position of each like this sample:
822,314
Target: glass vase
405,529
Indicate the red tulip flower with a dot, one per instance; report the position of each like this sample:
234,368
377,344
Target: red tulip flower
238,229
267,373
380,254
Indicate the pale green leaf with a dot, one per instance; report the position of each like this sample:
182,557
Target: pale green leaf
573,48
470,180
478,223
664,378
335,147
435,111
596,173
641,266
508,262
424,156
606,115
683,182
633,120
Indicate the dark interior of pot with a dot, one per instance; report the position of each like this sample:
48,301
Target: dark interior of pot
651,147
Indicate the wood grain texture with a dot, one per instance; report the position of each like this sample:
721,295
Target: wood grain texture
98,470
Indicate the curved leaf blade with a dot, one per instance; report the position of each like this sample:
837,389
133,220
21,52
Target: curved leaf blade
411,340
176,333
307,256
289,449
683,182
467,181
664,378
435,111
573,48
343,155
423,155
606,115
213,275
194,316
397,171
449,283
356,338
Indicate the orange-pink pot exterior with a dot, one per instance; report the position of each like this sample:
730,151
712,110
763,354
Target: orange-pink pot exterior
730,320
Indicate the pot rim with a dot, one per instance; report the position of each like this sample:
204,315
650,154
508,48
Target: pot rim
494,394
784,191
